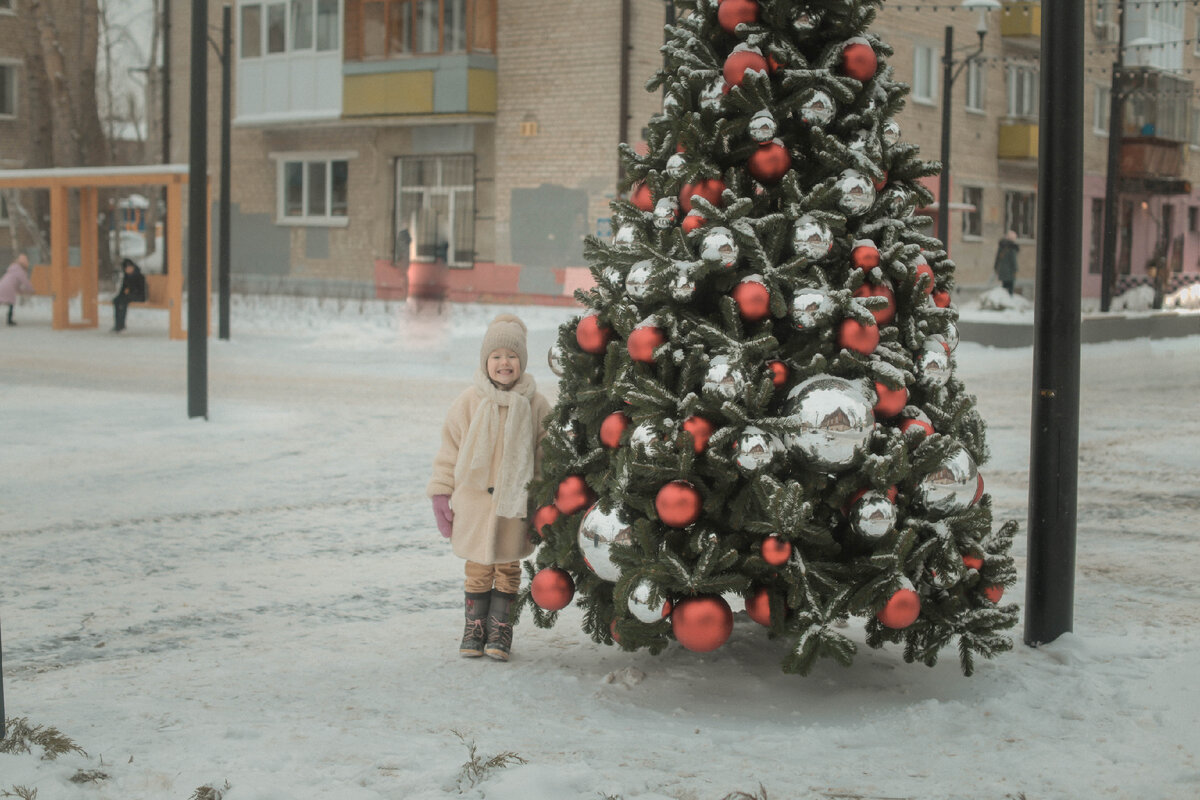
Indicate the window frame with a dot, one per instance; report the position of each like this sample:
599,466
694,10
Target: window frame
975,78
8,7
925,91
314,29
454,259
422,35
1101,109
1022,88
975,217
4,219
10,71
1026,228
306,160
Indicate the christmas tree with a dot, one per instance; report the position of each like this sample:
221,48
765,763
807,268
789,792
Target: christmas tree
760,400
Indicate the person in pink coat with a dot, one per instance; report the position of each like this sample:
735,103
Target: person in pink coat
14,282
491,448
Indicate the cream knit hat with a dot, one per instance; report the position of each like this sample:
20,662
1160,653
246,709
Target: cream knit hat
507,331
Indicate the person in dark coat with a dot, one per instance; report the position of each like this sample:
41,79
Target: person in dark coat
1006,261
132,290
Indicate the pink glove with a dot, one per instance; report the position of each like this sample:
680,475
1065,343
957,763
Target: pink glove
443,514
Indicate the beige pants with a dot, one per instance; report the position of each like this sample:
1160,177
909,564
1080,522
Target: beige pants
505,577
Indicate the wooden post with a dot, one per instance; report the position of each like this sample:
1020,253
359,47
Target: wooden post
89,255
60,242
174,238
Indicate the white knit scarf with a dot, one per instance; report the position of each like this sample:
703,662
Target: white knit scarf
516,465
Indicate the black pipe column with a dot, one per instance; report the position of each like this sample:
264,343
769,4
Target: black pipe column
223,206
1054,447
198,218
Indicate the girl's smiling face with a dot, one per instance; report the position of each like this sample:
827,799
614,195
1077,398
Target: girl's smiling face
503,367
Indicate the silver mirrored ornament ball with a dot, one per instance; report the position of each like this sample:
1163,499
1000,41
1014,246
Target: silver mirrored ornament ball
610,277
640,606
666,210
712,95
723,379
683,287
830,420
897,201
857,192
645,436
806,21
624,236
859,140
818,109
952,486
763,126
933,363
873,515
756,449
670,103
811,308
676,164
719,245
950,337
637,282
554,357
811,238
891,132
599,531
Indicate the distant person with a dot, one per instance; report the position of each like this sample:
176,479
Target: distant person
1006,261
491,446
132,290
14,282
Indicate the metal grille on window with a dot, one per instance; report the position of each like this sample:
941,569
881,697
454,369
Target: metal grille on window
435,209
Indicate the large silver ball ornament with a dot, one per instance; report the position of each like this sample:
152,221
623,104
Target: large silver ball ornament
624,236
811,308
645,435
719,245
670,103
818,109
811,238
859,140
951,336
637,282
858,193
666,210
723,379
891,132
873,515
713,95
830,419
756,449
554,357
683,287
676,165
640,606
598,532
952,486
806,21
763,126
933,363
897,201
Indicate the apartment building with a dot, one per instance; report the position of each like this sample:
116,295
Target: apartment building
15,120
382,144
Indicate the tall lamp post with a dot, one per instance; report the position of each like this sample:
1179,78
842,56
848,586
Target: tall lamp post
951,69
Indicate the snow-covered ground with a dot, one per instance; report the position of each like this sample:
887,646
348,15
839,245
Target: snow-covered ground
262,598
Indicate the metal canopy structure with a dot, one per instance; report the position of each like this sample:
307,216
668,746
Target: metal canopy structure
60,182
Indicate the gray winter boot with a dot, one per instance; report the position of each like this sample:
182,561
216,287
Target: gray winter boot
499,629
475,634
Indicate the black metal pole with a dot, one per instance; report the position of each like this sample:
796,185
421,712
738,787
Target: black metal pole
166,114
1,687
1112,182
223,254
943,214
198,218
1054,449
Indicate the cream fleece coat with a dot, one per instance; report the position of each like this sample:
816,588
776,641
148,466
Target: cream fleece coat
480,533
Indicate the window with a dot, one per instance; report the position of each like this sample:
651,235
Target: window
302,24
8,90
251,30
276,27
1096,246
6,6
925,85
313,190
392,28
1193,219
290,26
976,85
327,24
1101,106
3,208
1023,91
972,217
435,209
1020,213
1194,131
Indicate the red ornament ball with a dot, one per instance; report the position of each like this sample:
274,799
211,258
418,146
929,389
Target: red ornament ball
732,13
972,562
641,197
779,373
941,298
776,551
924,269
552,588
902,609
916,423
573,495
978,488
865,255
853,335
753,300
882,182
709,188
994,592
859,60
701,430
770,161
546,515
738,62
891,401
883,316
758,606
702,623
591,335
643,341
692,221
678,504
612,428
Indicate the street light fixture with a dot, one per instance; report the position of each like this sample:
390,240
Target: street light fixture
950,71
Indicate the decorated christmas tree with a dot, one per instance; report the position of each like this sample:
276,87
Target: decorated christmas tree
760,401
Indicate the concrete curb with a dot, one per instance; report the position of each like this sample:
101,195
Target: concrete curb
1093,329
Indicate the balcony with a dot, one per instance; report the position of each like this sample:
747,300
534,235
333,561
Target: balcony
1021,19
448,84
1018,140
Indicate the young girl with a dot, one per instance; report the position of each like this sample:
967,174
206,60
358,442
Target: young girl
490,451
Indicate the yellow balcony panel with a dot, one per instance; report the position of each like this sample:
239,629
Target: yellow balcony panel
1021,19
481,91
1019,140
408,92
